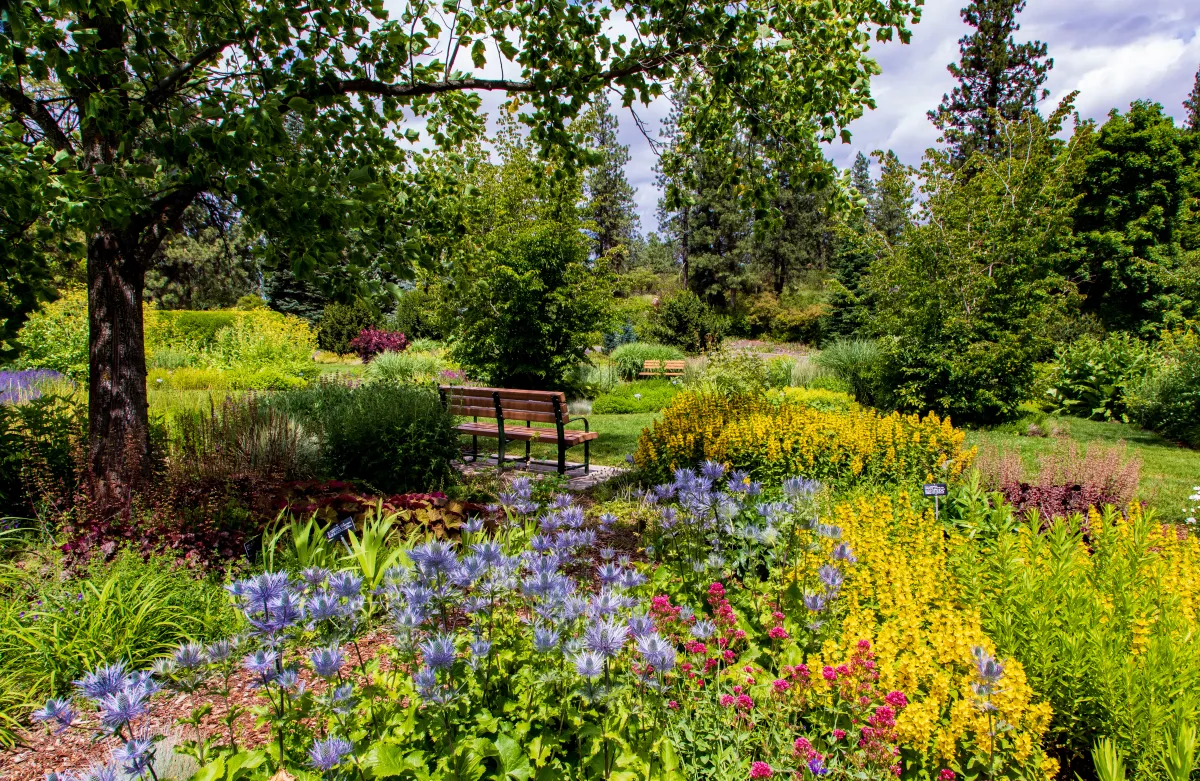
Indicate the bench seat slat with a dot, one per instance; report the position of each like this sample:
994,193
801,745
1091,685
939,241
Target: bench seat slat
547,397
523,433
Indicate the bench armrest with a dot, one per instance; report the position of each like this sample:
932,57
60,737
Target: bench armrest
579,417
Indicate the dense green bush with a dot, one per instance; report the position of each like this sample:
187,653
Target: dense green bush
528,316
686,322
856,362
56,337
729,372
630,358
407,366
1089,377
391,438
646,396
39,440
416,315
341,323
129,608
1168,399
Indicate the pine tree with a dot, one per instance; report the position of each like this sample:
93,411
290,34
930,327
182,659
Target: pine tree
860,177
1192,104
892,204
609,195
996,76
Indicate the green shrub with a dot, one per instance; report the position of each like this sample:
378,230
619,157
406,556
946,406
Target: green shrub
1168,399
53,630
241,437
244,340
416,316
390,437
56,337
646,396
530,312
404,367
250,302
39,440
780,371
630,358
341,323
828,382
856,362
200,327
686,322
1090,376
730,372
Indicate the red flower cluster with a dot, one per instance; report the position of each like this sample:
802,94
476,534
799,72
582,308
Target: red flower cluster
373,341
761,770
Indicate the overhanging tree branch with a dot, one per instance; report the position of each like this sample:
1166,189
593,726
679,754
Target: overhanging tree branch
39,114
164,88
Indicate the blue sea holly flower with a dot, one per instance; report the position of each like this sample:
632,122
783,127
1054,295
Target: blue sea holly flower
327,754
314,576
288,679
815,601
489,551
607,520
345,584
480,649
473,525
640,625
189,656
435,556
323,606
657,652
798,487
58,711
686,613
220,651
608,573
702,630
588,664
545,640
842,552
607,554
103,681
109,772
831,576
631,579
260,591
604,603
117,710
606,637
327,662
263,664
712,471
342,698
439,651
425,680
989,668
135,755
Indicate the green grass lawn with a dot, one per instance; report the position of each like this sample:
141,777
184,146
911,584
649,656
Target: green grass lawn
1169,471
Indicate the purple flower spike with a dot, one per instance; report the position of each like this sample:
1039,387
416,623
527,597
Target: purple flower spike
327,754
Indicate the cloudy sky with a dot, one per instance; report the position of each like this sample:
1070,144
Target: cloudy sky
1112,51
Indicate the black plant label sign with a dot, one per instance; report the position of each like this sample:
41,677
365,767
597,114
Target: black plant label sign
934,489
339,530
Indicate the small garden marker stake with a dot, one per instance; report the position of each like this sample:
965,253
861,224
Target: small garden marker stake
935,490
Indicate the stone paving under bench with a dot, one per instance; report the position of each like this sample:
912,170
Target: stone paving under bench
576,480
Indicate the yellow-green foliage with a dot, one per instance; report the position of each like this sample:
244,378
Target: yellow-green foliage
1104,618
56,336
773,439
819,398
901,596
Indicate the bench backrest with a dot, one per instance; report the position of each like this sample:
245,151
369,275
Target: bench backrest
533,406
666,366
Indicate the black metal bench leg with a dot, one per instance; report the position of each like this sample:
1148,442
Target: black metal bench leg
474,448
562,457
587,458
502,454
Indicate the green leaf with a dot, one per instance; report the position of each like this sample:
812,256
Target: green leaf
514,763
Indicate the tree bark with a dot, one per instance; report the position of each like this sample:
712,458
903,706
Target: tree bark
118,411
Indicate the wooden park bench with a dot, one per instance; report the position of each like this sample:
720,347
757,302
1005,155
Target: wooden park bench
514,413
662,369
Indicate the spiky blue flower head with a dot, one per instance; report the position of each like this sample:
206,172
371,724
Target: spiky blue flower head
259,592
289,679
816,766
327,662
989,668
831,576
684,479
657,652
189,656
668,517
425,680
703,629
542,543
574,606
327,754
109,772
588,664
572,517
545,639
665,492
345,584
103,681
842,552
489,551
604,602
608,573
606,637
607,554
314,576
283,612
263,665
630,579
522,487
754,488
127,705
135,755
711,470
800,487
480,649
585,538
58,711
545,585
475,605
607,520
640,624
686,613
220,651
324,606
407,619
439,651
342,698
473,525
509,499
435,556
815,601
471,569
827,530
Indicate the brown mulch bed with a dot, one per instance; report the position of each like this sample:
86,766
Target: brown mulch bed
75,750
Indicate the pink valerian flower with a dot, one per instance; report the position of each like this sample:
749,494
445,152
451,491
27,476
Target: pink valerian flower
864,645
739,634
744,702
800,671
803,748
695,647
673,705
710,663
737,689
778,617
896,699
777,633
728,655
761,770
883,718
839,734
727,700
715,589
781,685
946,775
828,673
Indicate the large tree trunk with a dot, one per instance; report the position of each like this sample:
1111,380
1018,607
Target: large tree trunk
119,431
